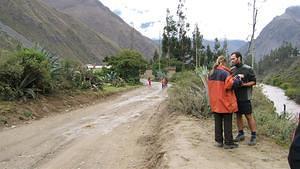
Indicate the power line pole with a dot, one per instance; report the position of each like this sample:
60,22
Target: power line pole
159,52
196,45
251,47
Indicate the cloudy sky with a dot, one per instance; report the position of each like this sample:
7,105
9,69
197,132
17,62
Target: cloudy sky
229,19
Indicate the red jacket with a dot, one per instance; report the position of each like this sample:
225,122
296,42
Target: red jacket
220,90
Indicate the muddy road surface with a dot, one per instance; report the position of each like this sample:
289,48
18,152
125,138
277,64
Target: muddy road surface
132,131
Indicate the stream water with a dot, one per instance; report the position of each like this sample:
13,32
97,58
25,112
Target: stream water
280,100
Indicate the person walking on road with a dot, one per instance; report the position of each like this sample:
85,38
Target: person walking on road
149,82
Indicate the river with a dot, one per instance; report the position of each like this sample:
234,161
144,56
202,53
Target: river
277,95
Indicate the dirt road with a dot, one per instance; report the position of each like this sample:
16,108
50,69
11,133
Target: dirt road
132,131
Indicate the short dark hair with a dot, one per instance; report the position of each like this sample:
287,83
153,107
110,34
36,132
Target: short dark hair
237,54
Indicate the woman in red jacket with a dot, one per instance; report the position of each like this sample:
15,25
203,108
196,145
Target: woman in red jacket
223,101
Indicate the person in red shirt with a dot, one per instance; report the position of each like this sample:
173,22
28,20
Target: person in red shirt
149,82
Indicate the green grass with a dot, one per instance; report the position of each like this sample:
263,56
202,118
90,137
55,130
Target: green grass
269,123
28,114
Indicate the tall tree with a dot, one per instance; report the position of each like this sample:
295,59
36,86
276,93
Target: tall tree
197,49
183,27
169,41
209,55
225,48
217,49
155,55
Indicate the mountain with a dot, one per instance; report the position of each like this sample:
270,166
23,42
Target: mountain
101,20
283,28
54,30
233,45
9,38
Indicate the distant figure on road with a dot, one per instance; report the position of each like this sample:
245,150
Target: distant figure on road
164,83
223,101
149,82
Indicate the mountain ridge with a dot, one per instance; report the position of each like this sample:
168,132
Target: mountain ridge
100,19
55,31
282,29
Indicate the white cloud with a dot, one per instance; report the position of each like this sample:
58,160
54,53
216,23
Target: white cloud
216,18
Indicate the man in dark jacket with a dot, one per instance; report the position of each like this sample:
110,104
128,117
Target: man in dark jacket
244,95
294,154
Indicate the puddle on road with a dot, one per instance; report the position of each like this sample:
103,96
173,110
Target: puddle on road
101,125
113,116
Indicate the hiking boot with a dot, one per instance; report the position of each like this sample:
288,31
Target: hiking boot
231,146
219,144
252,141
239,137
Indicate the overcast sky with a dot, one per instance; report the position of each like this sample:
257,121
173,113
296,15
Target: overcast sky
229,19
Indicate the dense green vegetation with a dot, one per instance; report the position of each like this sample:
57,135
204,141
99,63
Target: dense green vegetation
27,73
281,68
128,65
188,95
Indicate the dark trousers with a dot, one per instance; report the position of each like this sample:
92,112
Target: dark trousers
294,153
294,164
227,119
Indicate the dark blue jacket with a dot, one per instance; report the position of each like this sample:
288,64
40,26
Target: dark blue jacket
244,93
294,153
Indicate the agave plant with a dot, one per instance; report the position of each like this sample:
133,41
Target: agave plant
53,59
27,72
203,72
114,79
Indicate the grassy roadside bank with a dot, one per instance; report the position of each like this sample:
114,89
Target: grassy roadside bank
17,112
269,123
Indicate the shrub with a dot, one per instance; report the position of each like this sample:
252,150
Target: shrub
114,79
75,76
285,86
128,64
28,114
293,93
188,95
25,73
276,81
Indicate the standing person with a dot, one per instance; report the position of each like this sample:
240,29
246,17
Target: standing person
149,82
164,82
244,95
222,102
294,153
